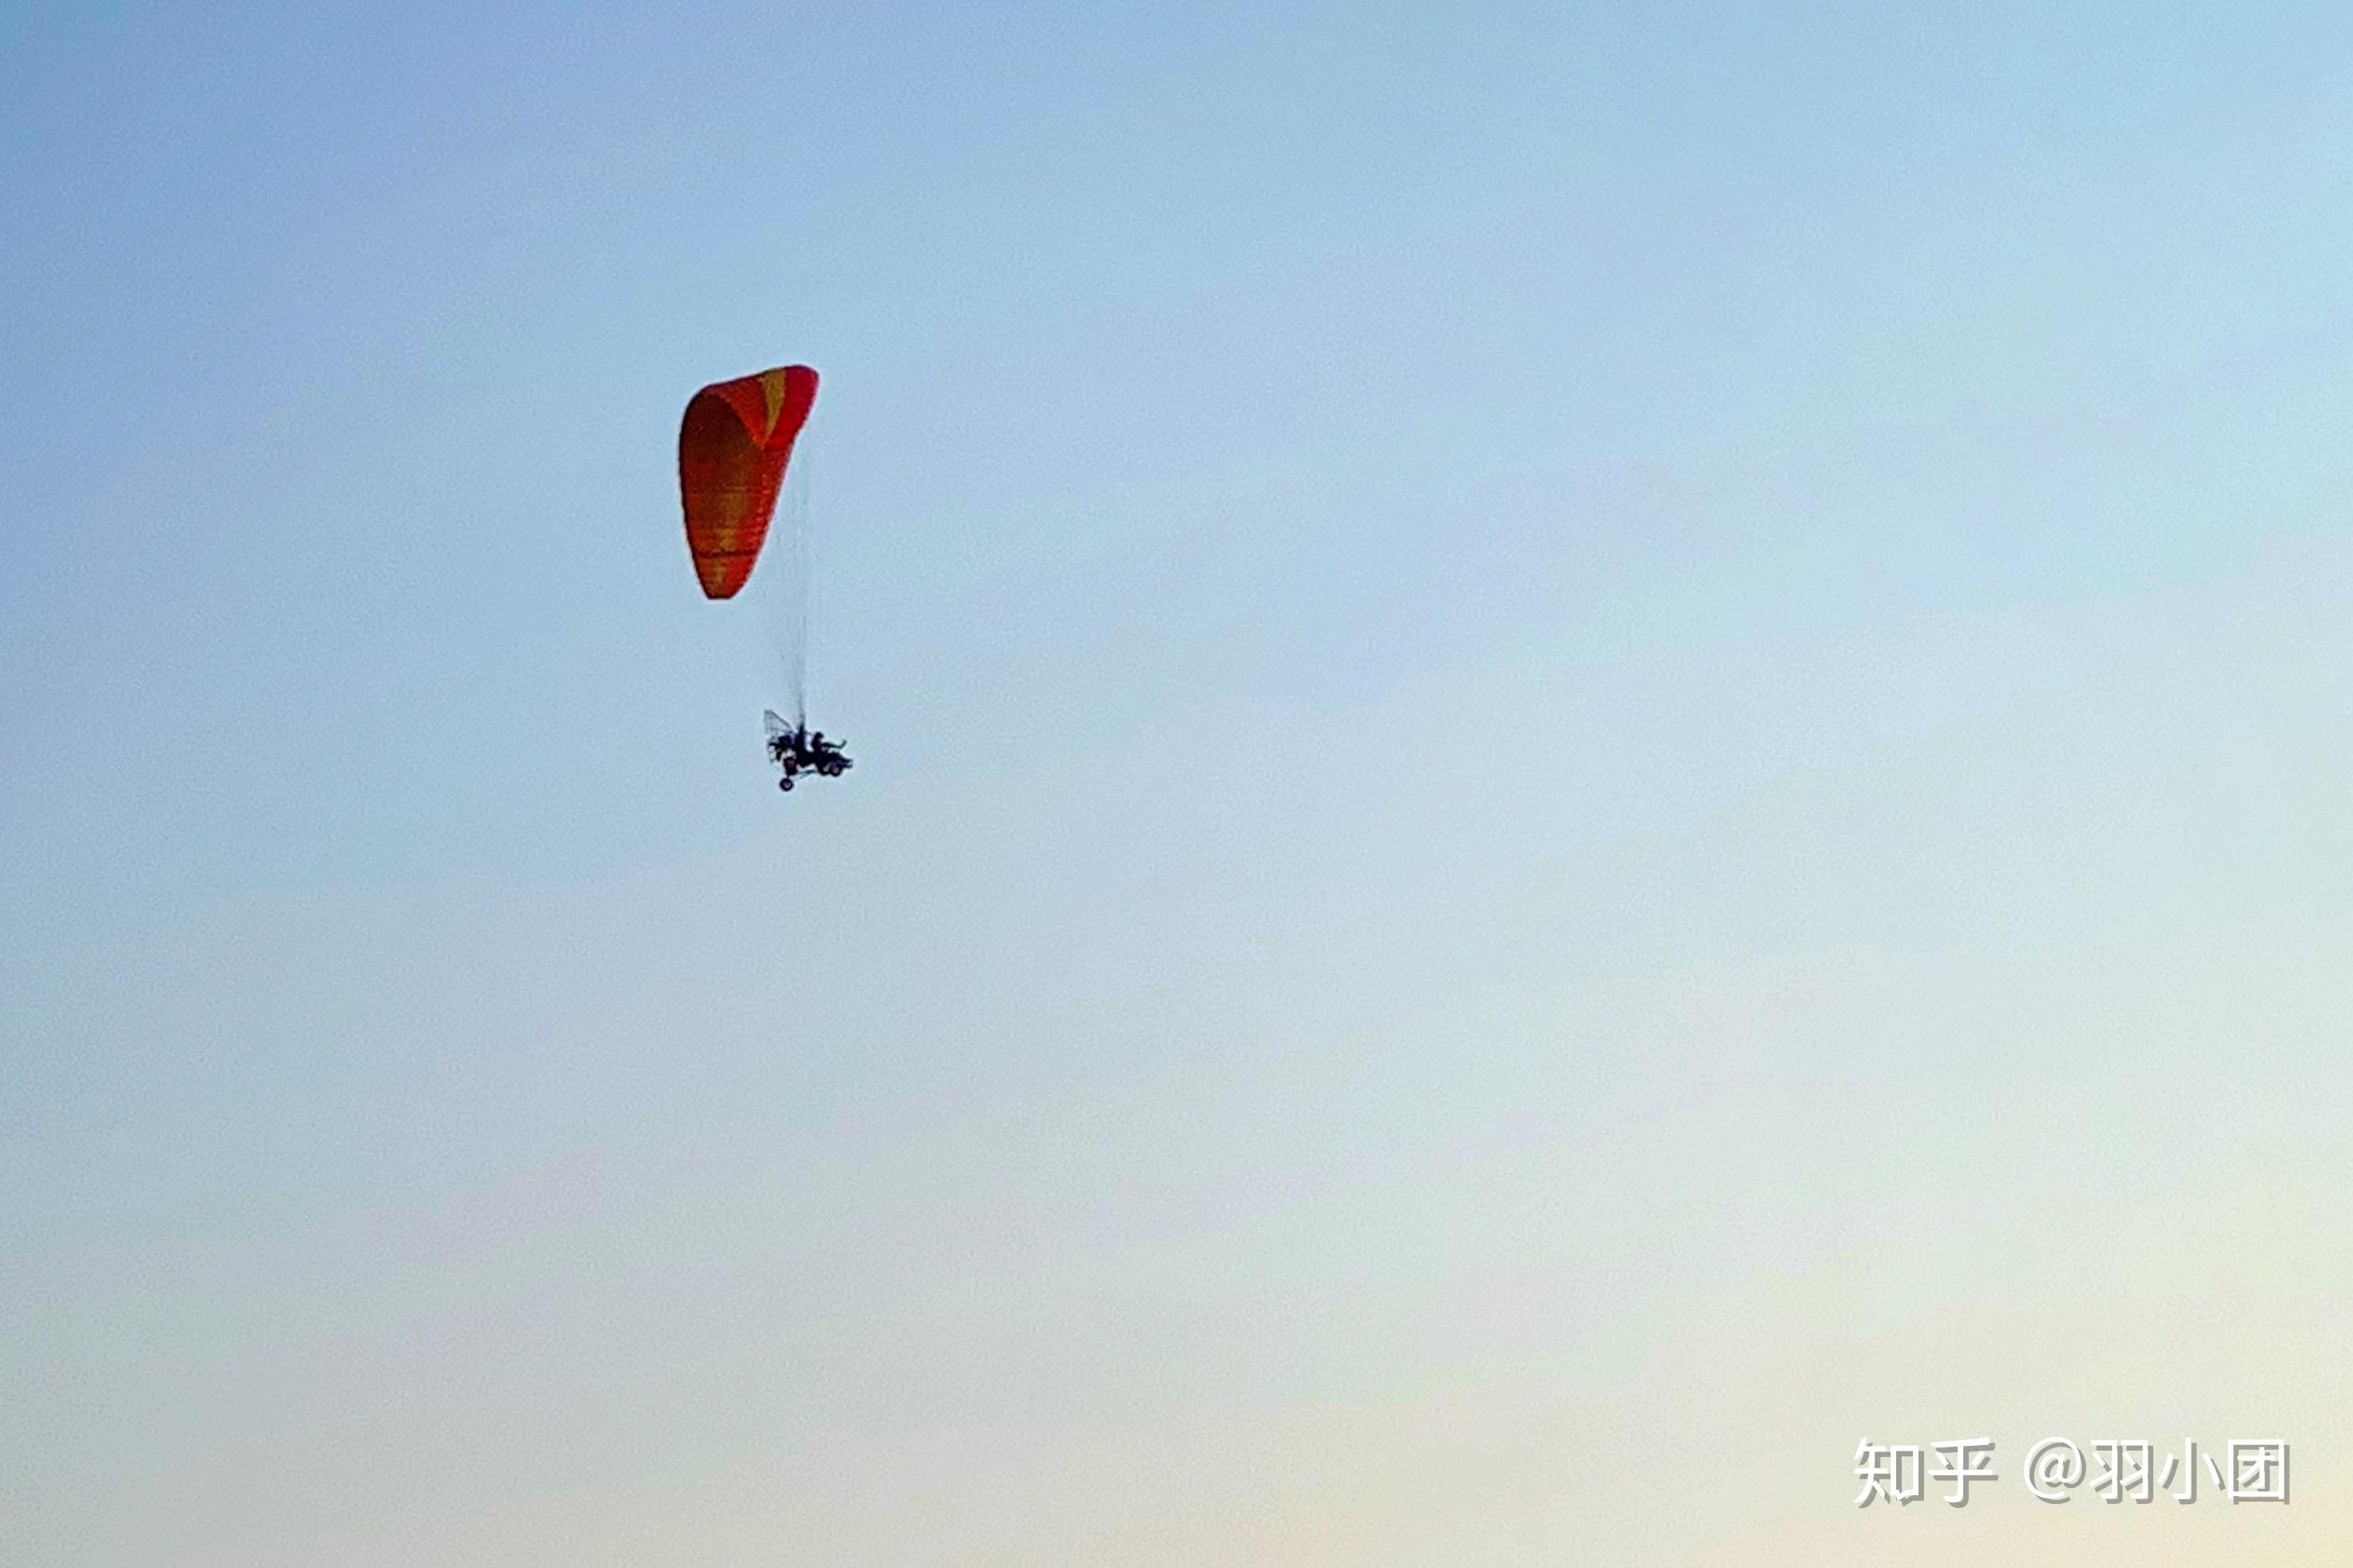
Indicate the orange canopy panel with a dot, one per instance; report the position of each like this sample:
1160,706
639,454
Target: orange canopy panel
733,447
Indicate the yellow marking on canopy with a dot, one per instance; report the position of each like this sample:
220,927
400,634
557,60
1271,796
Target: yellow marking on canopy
772,388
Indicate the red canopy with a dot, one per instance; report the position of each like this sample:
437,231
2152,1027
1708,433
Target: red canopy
733,447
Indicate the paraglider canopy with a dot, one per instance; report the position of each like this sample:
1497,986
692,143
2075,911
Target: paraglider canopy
733,447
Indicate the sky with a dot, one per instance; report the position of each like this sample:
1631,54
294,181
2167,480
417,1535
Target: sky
1596,748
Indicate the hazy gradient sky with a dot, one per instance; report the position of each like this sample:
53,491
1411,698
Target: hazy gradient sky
1597,747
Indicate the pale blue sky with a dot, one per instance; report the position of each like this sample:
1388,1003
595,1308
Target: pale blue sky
1575,729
